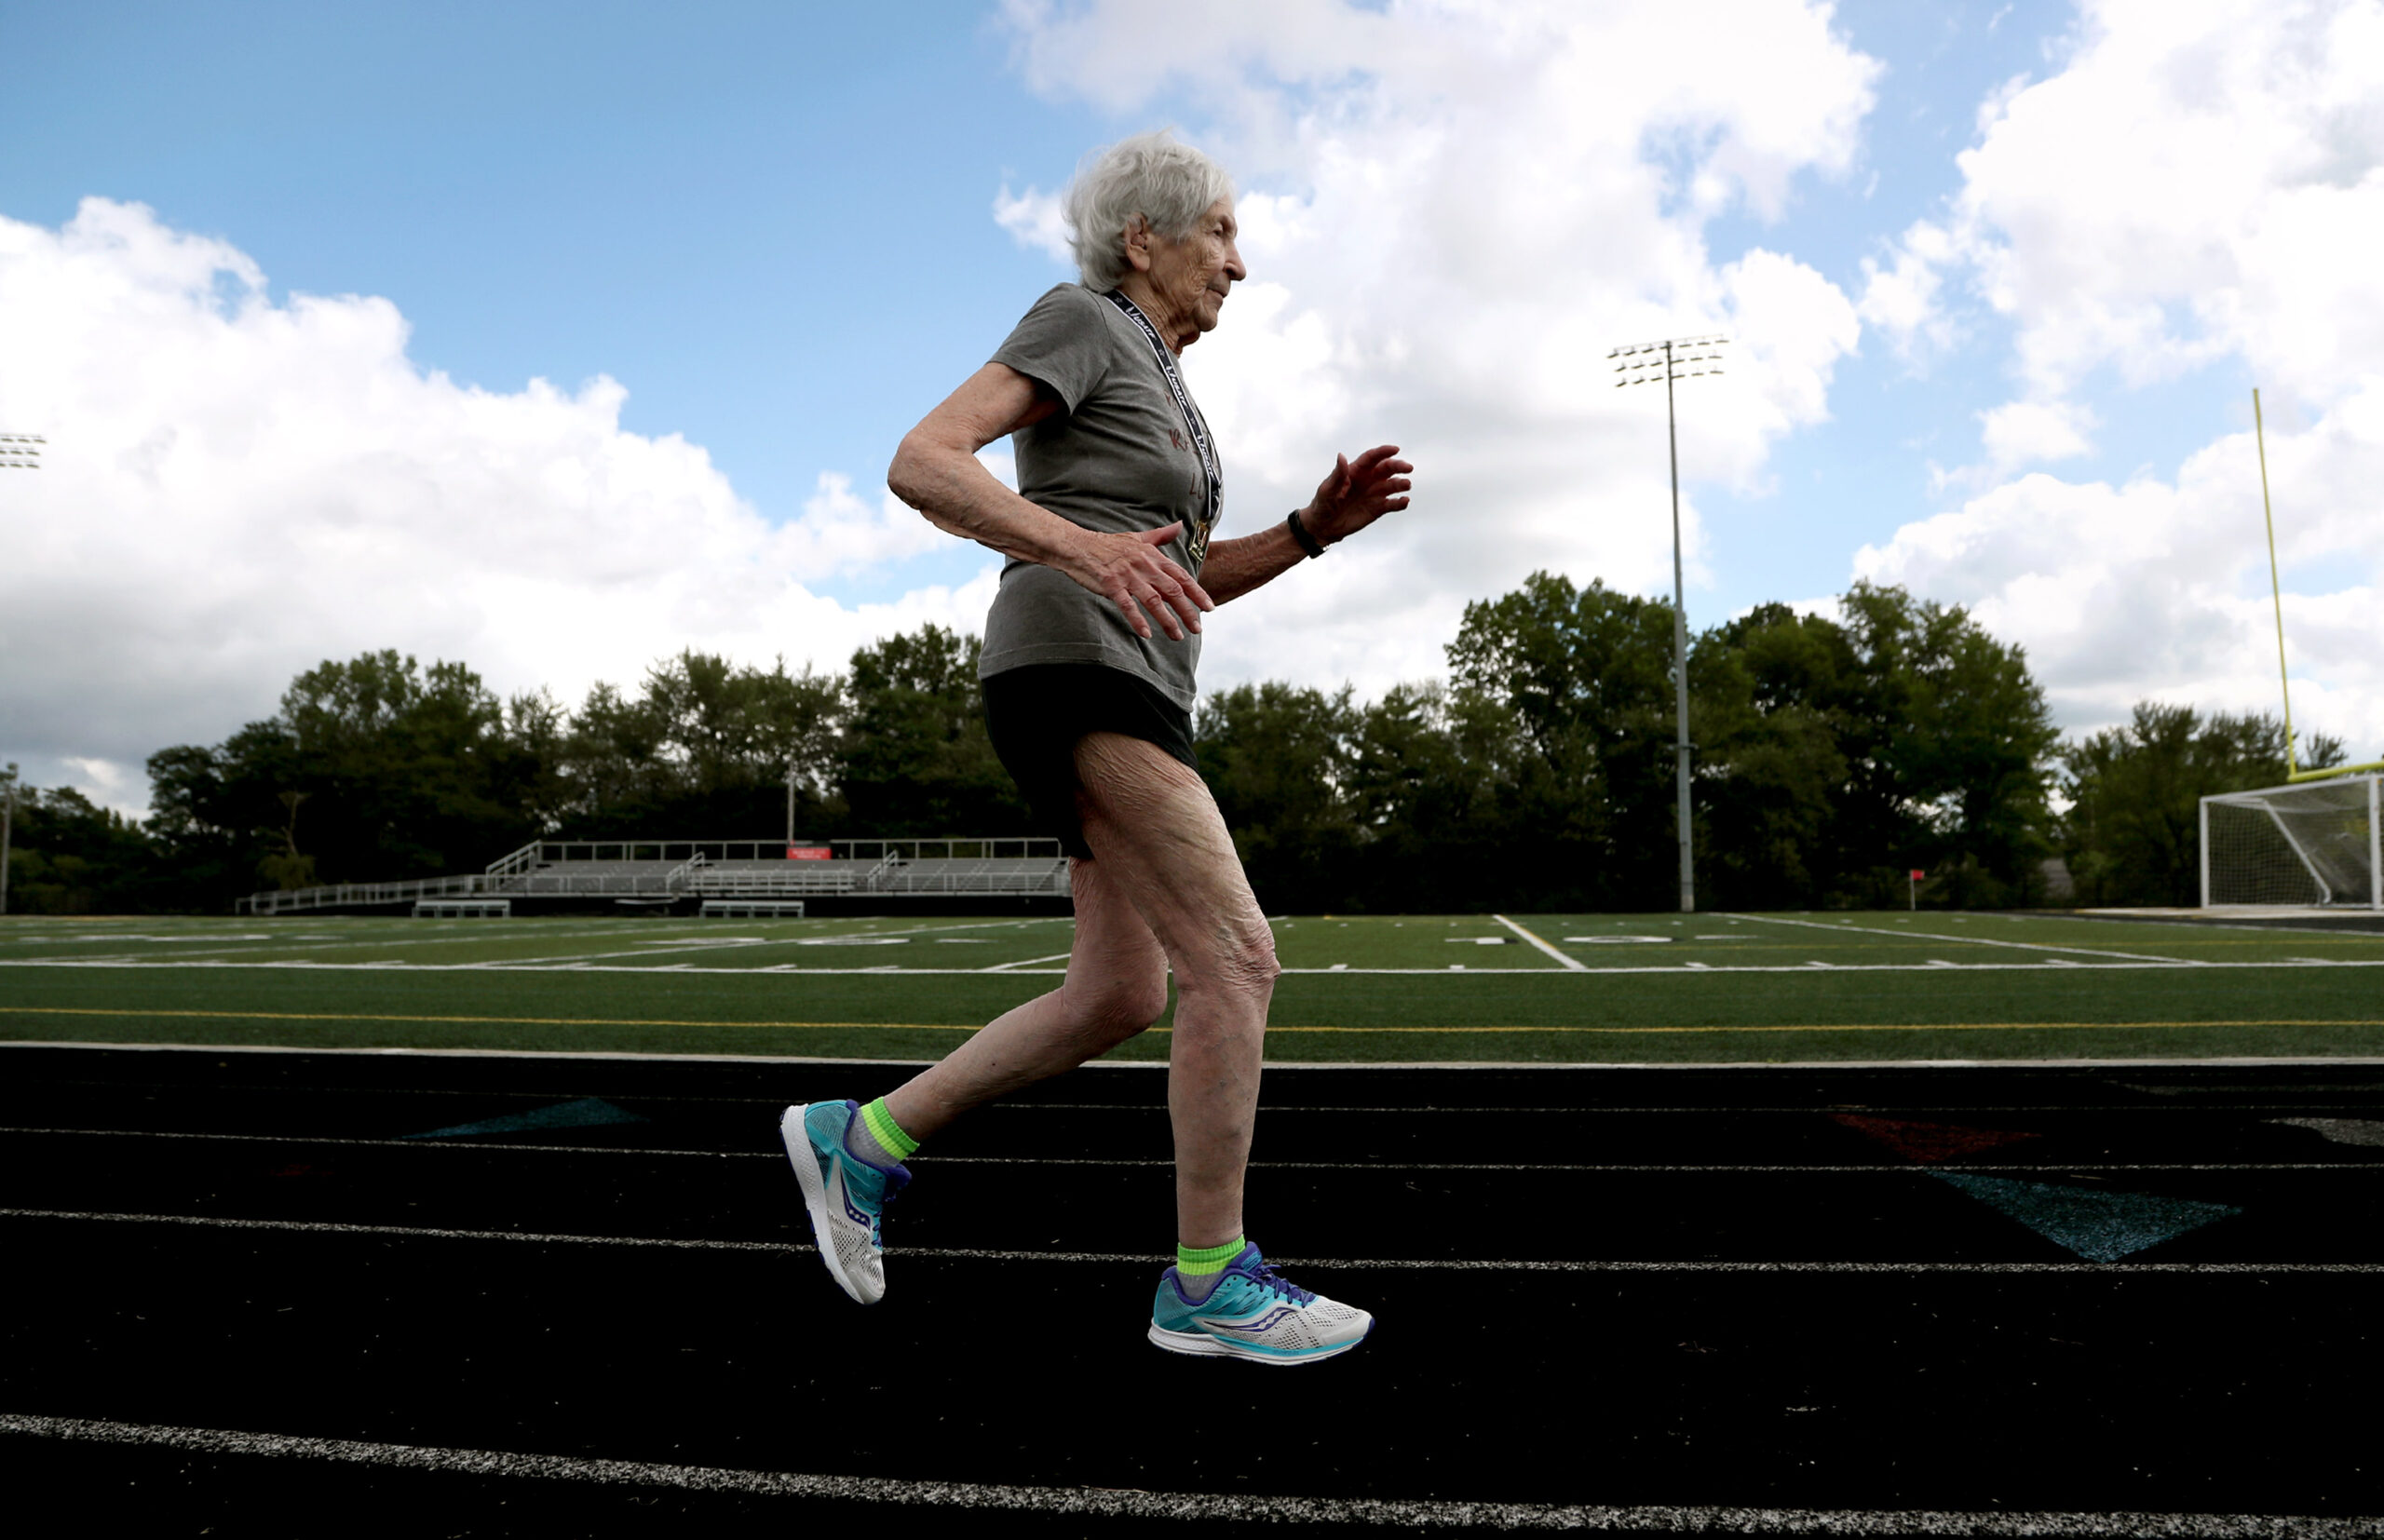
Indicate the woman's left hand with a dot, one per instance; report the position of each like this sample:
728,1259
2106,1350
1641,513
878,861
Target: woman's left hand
1358,493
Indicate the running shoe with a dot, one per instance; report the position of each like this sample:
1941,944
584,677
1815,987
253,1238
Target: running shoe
844,1195
1252,1313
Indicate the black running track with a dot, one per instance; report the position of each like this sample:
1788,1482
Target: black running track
240,1299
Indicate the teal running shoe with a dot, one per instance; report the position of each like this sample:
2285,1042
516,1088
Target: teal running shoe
1254,1314
844,1195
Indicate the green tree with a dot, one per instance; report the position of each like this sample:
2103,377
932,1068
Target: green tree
1949,745
408,771
1585,676
1430,781
915,759
69,856
1775,697
1276,757
2131,833
705,749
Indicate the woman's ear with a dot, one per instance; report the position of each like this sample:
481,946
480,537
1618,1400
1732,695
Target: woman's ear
1138,244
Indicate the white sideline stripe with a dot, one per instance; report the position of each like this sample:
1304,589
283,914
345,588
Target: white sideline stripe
1031,969
1631,1168
1969,940
1405,1264
1094,1501
1575,964
1282,1066
2153,965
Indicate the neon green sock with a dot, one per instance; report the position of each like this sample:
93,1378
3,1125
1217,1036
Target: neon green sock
1198,1269
877,1137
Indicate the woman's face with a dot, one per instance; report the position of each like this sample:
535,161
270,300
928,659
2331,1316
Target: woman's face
1193,275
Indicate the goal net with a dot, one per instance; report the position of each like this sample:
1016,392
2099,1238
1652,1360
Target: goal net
2302,846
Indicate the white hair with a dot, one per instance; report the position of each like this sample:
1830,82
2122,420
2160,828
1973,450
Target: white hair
1152,177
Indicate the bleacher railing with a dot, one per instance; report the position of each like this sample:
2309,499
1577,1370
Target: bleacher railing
754,868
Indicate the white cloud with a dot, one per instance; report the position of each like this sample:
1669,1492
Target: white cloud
1452,213
2022,433
2160,589
1903,298
1037,220
236,489
2202,179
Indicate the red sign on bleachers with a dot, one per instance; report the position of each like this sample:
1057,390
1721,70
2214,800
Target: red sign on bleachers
808,852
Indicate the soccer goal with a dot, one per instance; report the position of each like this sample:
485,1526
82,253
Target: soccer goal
2306,847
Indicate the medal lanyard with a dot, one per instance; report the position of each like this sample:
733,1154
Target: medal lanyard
1192,419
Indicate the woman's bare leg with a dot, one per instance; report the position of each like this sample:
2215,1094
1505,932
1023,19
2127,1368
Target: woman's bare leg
1116,986
1157,838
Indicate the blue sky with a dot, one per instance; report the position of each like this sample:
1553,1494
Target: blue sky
771,222
773,226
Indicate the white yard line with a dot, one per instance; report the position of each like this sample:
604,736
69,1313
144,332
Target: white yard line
1575,964
1026,961
1966,940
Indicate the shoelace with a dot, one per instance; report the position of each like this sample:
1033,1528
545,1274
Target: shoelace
1265,1277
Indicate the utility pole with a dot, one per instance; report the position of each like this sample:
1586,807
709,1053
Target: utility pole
789,806
8,828
1644,363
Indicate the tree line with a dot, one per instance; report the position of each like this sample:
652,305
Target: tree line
1834,754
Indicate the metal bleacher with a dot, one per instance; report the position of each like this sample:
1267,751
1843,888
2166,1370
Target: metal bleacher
746,873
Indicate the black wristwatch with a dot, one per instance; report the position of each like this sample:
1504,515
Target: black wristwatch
1299,533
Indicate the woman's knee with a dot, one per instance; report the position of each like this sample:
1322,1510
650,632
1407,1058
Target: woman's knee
1120,1007
1242,962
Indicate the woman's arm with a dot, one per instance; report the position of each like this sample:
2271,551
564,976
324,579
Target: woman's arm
936,472
1354,495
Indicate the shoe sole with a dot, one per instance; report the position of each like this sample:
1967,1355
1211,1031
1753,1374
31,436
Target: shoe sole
806,1161
1199,1344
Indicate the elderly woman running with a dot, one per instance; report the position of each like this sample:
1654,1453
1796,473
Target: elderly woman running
1088,677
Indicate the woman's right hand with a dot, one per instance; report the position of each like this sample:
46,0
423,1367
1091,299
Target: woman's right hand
1133,572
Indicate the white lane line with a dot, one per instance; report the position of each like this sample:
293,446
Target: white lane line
964,1253
1177,1507
1634,1168
1575,964
1969,940
2152,965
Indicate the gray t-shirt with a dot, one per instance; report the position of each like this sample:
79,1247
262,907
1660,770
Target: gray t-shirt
1116,458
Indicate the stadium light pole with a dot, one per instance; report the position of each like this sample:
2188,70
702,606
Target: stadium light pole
18,452
1644,363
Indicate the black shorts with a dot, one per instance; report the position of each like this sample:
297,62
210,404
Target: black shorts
1035,714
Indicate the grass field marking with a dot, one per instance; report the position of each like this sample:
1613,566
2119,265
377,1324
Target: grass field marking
1575,964
477,1020
1027,963
653,948
930,1026
1972,940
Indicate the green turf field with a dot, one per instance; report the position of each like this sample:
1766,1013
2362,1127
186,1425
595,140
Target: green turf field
1544,988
